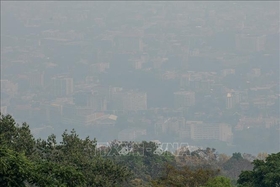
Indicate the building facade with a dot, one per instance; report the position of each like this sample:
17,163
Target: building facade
61,86
184,99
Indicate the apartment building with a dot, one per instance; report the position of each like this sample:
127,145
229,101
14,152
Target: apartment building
61,86
210,131
184,99
128,100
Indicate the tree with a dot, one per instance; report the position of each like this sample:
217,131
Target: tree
82,155
265,173
17,138
222,158
72,162
233,167
145,159
184,176
218,181
15,168
262,156
48,173
205,158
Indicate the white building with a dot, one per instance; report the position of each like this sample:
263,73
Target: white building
215,131
229,101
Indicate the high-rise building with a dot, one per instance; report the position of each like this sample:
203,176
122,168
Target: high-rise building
203,131
61,86
234,98
184,99
130,42
68,85
36,79
185,81
96,102
229,101
135,101
250,42
121,100
226,72
256,72
237,97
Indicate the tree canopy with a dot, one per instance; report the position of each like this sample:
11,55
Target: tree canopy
26,161
72,162
265,173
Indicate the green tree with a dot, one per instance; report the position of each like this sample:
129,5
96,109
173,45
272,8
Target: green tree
82,155
15,168
265,173
72,162
219,181
143,160
182,177
18,138
47,174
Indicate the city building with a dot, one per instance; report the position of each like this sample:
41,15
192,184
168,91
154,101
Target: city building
184,99
229,101
8,87
61,86
131,134
135,101
250,42
96,102
105,121
36,79
128,101
185,81
215,131
54,112
226,72
237,97
173,124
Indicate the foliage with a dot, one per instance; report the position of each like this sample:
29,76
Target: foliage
184,176
262,156
146,160
73,162
265,173
15,168
25,161
51,174
218,181
233,167
222,158
18,138
199,158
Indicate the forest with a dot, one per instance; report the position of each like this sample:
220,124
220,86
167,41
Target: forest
26,161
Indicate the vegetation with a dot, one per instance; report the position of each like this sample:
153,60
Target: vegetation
218,181
72,162
184,177
265,173
26,161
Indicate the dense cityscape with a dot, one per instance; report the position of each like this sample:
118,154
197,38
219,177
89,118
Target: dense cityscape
202,73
